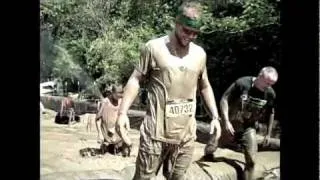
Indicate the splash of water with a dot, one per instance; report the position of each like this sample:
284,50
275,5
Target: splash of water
69,68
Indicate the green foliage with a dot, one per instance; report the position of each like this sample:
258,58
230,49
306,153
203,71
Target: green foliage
253,13
259,12
98,40
113,56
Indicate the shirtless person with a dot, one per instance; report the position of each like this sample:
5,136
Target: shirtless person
106,119
173,67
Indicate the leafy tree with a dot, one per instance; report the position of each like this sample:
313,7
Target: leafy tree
98,41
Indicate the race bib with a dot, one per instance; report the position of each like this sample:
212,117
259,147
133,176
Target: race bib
180,108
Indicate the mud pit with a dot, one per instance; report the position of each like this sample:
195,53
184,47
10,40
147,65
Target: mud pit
60,157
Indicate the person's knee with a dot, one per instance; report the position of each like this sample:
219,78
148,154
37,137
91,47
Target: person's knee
250,142
179,170
182,164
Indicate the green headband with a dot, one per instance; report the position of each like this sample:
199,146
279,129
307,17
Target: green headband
193,23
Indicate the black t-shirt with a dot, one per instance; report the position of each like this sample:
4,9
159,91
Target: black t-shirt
244,86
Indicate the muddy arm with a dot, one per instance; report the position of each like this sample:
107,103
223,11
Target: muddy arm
224,105
208,95
209,99
130,92
270,124
98,126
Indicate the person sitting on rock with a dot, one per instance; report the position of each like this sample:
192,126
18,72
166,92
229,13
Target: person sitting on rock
108,114
246,102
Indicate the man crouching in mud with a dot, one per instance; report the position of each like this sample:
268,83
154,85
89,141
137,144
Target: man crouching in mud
246,102
173,67
108,113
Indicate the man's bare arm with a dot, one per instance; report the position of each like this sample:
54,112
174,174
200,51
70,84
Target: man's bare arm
270,115
209,99
99,114
98,126
224,105
224,109
271,120
130,92
98,121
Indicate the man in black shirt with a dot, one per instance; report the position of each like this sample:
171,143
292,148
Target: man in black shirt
246,102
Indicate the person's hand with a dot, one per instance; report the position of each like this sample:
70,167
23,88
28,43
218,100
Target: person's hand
229,128
122,127
100,139
214,136
211,145
215,128
266,140
126,151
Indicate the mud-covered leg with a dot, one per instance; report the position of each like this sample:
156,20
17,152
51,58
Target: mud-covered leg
182,162
146,166
250,149
166,168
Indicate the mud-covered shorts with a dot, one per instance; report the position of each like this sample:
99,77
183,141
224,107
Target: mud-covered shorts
174,158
